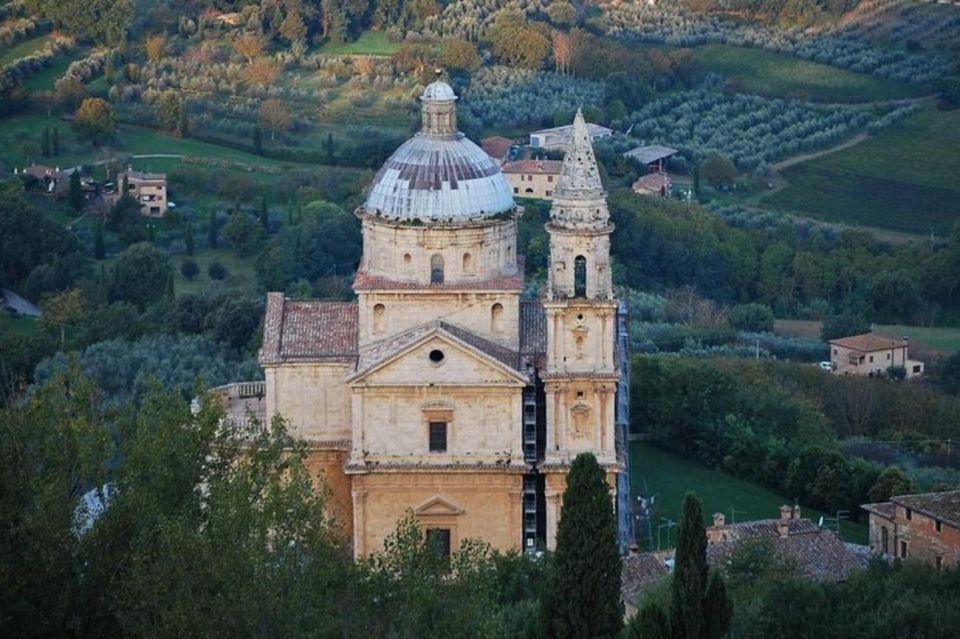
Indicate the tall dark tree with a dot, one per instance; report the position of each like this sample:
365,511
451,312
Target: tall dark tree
75,195
45,142
183,124
583,595
55,141
188,239
212,239
329,149
264,213
99,250
258,140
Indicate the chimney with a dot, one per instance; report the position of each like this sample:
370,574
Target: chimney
783,528
719,519
786,512
633,550
796,511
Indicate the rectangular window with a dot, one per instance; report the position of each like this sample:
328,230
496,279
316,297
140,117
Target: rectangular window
834,351
888,355
903,550
909,514
438,437
871,359
549,178
938,524
438,540
938,561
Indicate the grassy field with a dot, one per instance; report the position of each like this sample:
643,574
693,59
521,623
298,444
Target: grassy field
945,339
239,270
23,49
369,43
44,80
904,179
776,75
14,325
670,477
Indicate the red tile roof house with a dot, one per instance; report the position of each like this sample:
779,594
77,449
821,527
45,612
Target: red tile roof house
532,178
871,355
923,528
497,147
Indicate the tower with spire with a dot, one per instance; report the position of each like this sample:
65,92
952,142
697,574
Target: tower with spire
581,374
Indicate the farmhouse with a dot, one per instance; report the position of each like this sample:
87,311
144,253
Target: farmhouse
559,138
497,147
148,189
923,528
439,391
655,184
653,157
532,178
870,354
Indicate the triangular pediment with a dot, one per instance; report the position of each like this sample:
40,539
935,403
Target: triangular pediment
409,359
438,505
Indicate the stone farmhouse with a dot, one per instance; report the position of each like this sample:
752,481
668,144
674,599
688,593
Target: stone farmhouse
532,178
441,391
148,189
924,528
870,354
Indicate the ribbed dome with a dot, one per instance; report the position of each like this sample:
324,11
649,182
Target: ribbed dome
439,175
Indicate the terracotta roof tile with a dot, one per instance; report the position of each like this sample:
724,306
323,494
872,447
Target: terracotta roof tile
544,167
533,328
639,573
944,506
869,342
308,331
652,182
496,147
885,509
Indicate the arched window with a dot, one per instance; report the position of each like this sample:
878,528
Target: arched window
496,317
379,318
436,269
467,263
407,260
580,276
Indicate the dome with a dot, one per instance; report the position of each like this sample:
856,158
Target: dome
439,176
439,91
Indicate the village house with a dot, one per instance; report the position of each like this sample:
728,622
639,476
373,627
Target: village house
532,178
654,184
441,391
559,138
871,355
498,148
798,544
923,528
148,189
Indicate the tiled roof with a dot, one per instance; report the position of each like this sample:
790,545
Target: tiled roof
652,182
542,167
640,572
648,154
818,554
533,328
885,509
944,506
308,331
496,146
765,528
374,354
869,342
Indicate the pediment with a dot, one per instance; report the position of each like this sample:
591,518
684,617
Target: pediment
411,362
438,506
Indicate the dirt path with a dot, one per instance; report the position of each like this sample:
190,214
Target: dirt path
797,159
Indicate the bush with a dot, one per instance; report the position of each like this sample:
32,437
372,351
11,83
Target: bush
757,318
189,269
216,271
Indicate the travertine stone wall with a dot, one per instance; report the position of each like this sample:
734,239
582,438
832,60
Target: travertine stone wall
313,397
479,505
326,466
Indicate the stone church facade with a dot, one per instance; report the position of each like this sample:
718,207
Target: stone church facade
442,390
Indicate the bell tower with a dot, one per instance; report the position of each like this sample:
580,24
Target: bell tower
581,311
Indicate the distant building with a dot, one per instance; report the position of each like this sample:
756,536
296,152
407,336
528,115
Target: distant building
654,157
497,147
871,355
148,189
13,303
924,528
640,573
558,138
655,184
817,553
532,178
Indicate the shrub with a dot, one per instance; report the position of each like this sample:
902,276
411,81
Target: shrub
189,269
216,271
757,318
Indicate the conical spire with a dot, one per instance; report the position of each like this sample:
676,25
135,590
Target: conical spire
579,176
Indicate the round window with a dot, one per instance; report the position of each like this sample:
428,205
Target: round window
436,356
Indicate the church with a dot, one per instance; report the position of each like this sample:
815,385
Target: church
444,391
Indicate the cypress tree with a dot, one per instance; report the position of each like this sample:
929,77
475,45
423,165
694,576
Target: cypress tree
696,181
717,607
258,140
75,196
108,71
290,215
264,213
99,250
212,230
583,594
56,142
690,572
45,142
650,623
188,238
151,234
183,126
329,147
